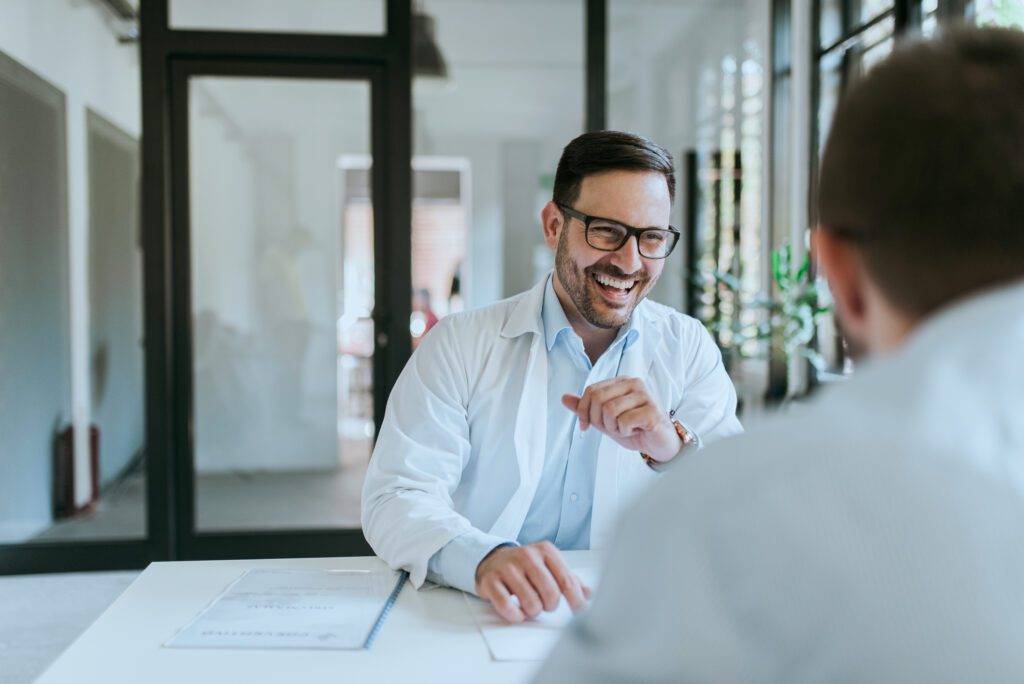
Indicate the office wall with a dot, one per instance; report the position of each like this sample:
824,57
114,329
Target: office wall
35,386
116,361
72,45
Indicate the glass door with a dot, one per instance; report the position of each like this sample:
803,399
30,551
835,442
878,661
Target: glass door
275,291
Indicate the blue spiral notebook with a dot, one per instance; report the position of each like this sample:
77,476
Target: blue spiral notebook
402,577
272,608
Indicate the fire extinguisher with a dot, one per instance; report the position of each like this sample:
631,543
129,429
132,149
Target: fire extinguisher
64,505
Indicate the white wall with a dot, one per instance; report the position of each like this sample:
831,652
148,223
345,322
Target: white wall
73,45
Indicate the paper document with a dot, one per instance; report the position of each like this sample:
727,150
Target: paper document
530,640
281,608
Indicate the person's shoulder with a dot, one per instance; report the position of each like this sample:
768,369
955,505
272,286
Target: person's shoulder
660,314
493,315
675,327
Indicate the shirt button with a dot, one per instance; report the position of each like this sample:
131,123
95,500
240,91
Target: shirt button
573,498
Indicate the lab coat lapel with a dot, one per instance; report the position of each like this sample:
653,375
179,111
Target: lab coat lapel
617,473
530,434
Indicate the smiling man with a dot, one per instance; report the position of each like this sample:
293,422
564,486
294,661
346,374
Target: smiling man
524,427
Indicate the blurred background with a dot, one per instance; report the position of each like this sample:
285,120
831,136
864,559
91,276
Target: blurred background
225,224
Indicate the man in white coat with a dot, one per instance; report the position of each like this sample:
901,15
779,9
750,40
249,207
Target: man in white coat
523,428
878,534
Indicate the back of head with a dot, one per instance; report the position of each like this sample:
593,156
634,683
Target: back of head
601,151
924,168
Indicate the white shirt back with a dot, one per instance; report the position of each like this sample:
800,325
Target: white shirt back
875,535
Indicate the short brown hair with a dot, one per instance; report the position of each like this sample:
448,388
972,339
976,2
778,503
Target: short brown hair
601,151
924,168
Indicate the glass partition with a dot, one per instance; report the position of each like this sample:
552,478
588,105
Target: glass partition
282,292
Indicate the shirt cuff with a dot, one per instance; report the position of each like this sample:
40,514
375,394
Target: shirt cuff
455,563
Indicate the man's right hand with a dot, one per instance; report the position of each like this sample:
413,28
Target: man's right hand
536,574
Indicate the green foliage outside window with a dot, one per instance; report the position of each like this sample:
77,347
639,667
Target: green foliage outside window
788,321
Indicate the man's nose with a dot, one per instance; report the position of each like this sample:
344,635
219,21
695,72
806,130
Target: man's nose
628,256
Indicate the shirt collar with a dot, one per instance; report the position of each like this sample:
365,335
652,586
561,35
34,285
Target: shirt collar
555,321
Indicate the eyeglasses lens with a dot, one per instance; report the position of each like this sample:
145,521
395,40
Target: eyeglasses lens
609,236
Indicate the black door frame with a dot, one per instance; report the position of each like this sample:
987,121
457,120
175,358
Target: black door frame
382,61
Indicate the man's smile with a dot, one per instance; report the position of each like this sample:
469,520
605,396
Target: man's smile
616,290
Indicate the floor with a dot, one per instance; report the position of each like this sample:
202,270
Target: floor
238,500
41,615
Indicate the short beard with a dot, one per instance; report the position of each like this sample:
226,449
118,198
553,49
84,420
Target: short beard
575,283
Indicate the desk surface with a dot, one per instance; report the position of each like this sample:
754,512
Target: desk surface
429,636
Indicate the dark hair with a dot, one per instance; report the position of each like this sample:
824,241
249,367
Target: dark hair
601,151
924,168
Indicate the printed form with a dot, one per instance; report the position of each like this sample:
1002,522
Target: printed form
303,609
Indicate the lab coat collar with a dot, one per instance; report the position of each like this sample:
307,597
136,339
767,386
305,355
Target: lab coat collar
526,316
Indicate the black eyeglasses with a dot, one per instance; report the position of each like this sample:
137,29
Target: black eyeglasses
609,236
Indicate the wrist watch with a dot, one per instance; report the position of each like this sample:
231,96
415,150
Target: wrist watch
688,439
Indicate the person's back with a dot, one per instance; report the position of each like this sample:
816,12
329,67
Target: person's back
885,542
874,535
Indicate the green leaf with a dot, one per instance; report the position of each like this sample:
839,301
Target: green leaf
776,258
804,268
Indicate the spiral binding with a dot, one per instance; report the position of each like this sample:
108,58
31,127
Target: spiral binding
387,609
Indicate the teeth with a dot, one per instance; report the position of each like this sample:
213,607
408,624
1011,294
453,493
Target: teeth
614,282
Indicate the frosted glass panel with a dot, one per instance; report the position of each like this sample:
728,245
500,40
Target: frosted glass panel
282,290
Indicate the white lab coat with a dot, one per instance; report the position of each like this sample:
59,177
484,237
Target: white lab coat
463,440
875,536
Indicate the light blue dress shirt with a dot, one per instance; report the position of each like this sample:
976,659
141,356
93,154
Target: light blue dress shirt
561,508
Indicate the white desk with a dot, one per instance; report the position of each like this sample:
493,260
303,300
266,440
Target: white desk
429,636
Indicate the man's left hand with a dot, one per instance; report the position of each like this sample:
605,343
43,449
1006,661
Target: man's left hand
623,409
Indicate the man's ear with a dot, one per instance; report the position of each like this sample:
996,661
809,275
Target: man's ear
553,222
841,263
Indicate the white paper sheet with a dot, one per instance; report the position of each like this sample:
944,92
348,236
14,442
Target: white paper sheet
308,609
530,640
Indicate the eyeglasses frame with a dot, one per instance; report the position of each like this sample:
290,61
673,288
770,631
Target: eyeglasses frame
586,220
